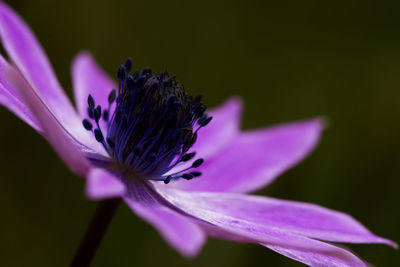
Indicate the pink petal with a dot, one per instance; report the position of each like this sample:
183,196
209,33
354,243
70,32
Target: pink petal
63,143
179,231
222,217
89,78
102,184
329,256
229,227
266,215
224,226
17,107
299,248
304,219
219,133
302,249
255,158
26,52
11,99
223,128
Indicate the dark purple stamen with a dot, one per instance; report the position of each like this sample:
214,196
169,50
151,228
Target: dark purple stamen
105,115
153,125
90,112
196,174
87,124
197,163
97,113
111,97
91,102
99,135
188,156
187,176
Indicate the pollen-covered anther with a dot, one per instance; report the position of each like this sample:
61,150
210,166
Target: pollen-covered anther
153,124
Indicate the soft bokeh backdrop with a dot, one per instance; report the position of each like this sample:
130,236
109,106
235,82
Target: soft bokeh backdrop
287,60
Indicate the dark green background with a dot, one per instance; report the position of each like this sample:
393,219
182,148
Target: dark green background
288,60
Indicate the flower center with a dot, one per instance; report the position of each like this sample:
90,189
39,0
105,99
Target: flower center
153,125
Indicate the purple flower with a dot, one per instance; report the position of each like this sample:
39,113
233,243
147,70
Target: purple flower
137,143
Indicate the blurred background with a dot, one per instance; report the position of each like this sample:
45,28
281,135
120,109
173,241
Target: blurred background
288,60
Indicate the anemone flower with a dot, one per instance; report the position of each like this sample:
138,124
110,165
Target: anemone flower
140,141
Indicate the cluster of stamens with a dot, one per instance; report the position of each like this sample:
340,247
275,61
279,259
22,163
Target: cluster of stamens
152,127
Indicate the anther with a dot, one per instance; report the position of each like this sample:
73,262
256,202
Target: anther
105,115
91,101
97,113
203,121
199,111
196,174
90,112
87,124
122,73
188,156
168,179
197,163
111,97
99,135
187,176
128,64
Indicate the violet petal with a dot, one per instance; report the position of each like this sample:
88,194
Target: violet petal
218,134
255,158
63,143
233,222
11,98
102,185
179,231
328,256
299,218
25,51
89,78
302,249
223,128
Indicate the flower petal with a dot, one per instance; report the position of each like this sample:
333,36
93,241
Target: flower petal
304,219
236,223
329,256
223,128
13,103
255,158
102,184
89,78
63,143
219,133
26,52
179,231
11,99
302,249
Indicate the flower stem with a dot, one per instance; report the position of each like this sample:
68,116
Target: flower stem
102,218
